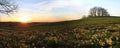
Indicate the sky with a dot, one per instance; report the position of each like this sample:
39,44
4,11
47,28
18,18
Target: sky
59,10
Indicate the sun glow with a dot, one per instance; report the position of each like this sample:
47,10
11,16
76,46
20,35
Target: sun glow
24,19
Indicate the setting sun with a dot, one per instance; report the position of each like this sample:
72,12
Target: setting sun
24,19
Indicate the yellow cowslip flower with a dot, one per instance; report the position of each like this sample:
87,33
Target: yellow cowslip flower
108,41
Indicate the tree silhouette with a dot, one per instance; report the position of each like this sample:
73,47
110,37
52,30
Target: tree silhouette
98,11
7,6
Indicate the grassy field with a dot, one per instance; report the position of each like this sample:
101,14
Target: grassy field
93,32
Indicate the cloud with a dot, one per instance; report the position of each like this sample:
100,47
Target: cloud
58,9
63,9
55,4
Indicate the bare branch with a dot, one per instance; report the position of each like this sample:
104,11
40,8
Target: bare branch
7,6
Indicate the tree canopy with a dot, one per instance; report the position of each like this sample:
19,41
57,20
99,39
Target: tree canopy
98,11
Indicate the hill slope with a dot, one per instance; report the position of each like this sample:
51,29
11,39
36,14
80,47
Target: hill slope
85,33
95,20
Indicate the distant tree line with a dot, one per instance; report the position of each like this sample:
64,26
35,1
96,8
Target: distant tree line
98,11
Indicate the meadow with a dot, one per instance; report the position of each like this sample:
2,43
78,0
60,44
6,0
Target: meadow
92,32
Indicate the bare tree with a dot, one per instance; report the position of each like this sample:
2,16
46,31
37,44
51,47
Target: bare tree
7,6
98,11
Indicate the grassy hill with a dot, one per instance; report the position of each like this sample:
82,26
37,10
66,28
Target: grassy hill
84,33
94,20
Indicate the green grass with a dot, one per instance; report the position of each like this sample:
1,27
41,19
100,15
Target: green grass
91,20
101,20
84,33
98,20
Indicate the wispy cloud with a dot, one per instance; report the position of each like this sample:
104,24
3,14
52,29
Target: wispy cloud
79,5
57,10
59,4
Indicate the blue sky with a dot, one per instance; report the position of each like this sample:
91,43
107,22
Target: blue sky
59,10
